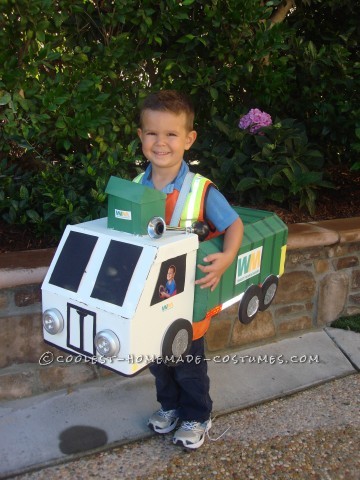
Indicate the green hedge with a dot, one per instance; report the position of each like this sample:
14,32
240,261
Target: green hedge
72,74
348,323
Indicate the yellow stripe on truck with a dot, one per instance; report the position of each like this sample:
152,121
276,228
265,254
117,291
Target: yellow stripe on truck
282,260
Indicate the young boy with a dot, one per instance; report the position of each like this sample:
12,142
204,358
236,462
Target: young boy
166,131
170,287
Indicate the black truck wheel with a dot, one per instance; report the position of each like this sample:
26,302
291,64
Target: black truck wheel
249,304
268,289
177,341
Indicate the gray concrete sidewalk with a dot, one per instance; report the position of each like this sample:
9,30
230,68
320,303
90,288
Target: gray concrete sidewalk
51,428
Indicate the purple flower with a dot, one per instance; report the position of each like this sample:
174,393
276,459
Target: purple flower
255,119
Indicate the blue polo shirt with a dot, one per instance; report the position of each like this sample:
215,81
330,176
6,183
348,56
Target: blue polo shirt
217,208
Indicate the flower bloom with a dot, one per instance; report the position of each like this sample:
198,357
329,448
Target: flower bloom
255,119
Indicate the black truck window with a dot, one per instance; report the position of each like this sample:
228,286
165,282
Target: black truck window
116,271
72,261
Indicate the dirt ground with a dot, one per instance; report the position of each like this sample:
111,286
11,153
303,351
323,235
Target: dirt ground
341,202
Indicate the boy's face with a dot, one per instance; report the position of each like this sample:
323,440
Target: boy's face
164,138
170,274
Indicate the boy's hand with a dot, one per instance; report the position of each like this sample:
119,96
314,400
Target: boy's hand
219,262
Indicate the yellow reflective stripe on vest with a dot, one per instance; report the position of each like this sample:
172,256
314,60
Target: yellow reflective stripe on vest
138,178
191,210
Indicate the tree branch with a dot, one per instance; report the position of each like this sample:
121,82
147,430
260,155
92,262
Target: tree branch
280,13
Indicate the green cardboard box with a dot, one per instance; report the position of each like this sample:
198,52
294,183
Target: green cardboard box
132,205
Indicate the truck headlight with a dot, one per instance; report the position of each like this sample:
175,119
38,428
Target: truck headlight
53,321
107,343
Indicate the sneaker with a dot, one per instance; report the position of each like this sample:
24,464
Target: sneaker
163,421
191,434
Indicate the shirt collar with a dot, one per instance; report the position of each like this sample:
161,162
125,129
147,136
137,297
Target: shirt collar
175,184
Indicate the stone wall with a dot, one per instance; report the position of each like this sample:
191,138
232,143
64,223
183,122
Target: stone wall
321,282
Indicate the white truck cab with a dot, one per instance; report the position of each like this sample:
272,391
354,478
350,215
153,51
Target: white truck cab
107,284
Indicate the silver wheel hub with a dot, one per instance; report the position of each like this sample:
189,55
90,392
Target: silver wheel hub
180,343
270,294
253,306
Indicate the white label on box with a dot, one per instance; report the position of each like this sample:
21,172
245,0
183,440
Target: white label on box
122,214
248,265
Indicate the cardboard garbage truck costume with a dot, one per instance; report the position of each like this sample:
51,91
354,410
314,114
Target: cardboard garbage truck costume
121,290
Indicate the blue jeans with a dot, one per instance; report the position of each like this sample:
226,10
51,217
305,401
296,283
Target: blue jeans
185,387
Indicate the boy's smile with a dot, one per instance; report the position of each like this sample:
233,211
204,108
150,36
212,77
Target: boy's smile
164,138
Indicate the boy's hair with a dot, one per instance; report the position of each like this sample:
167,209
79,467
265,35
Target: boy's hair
170,101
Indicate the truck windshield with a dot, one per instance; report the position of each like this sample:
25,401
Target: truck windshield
116,271
72,261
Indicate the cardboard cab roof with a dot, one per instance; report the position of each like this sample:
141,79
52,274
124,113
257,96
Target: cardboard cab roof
134,192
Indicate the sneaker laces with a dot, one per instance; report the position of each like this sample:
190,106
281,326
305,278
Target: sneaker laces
217,438
194,425
190,425
167,413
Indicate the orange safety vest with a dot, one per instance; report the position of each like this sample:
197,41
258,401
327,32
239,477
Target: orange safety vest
193,210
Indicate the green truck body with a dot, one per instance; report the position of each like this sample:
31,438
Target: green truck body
261,255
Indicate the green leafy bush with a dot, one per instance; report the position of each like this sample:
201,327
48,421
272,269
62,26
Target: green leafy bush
348,323
65,192
325,91
72,74
277,163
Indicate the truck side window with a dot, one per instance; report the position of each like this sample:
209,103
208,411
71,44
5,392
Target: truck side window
171,279
72,261
116,272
